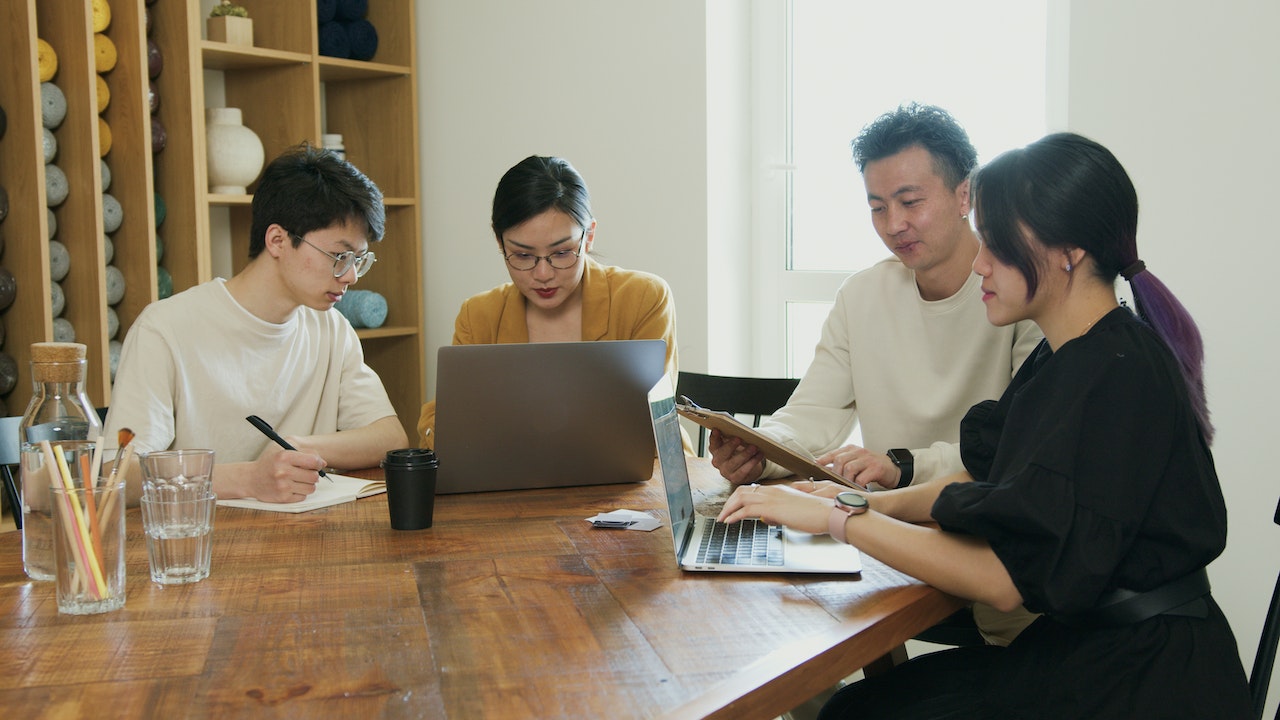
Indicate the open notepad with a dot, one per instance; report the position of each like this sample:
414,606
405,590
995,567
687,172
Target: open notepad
343,489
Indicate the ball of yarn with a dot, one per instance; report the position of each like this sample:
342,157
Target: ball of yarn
53,105
52,222
8,288
115,285
105,172
161,210
4,203
155,61
351,9
362,39
1,332
57,299
153,96
63,331
8,373
59,261
108,250
164,283
113,356
113,323
4,122
159,248
104,94
104,138
101,15
104,53
325,10
333,40
363,308
158,136
50,145
46,60
55,185
112,213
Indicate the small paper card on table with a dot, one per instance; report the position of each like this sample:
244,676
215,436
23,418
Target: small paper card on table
625,520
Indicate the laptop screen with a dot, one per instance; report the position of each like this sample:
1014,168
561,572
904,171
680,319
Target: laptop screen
671,462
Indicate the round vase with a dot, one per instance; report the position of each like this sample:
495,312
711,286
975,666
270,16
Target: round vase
235,153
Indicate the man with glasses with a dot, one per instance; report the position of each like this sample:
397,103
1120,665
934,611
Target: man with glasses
265,343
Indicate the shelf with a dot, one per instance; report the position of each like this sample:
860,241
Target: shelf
385,332
338,69
221,56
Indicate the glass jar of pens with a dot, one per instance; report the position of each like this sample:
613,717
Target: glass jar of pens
59,413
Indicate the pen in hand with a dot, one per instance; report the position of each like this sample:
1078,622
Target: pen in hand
271,433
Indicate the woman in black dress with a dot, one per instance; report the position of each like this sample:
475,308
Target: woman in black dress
1090,493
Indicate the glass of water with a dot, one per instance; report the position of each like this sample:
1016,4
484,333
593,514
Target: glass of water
179,537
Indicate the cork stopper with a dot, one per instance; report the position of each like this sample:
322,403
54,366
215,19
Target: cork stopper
57,362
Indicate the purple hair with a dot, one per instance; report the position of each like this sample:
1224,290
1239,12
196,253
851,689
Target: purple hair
1069,191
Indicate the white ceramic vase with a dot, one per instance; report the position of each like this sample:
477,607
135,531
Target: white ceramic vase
235,153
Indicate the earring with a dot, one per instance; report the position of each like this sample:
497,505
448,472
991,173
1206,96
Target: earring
1068,266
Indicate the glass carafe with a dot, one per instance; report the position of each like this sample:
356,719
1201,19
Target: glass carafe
59,412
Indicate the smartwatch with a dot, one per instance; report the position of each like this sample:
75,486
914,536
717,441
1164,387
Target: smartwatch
906,464
847,504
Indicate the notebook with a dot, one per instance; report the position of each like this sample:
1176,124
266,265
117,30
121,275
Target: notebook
539,415
752,546
342,489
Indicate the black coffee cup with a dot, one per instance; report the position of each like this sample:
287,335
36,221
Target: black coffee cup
411,487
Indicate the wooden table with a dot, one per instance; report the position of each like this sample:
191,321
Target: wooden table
511,606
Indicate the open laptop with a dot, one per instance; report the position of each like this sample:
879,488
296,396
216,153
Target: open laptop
539,415
701,543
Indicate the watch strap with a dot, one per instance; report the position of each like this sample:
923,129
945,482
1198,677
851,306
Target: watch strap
835,522
905,461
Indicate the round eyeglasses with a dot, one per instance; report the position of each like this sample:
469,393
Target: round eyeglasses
344,261
560,260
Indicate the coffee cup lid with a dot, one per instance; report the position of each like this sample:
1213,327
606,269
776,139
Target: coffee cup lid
410,457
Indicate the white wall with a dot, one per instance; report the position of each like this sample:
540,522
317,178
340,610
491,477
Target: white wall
1185,94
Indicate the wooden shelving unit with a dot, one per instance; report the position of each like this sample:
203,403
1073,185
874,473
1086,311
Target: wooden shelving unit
287,93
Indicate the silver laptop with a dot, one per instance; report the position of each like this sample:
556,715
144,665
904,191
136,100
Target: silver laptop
539,415
701,543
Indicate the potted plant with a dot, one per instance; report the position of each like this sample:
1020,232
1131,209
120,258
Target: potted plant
230,24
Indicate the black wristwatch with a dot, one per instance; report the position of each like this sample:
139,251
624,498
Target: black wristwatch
906,464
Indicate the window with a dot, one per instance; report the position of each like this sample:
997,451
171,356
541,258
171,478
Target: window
836,66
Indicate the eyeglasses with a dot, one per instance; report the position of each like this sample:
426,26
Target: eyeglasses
560,260
344,261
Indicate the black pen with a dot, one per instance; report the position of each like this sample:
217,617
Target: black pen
271,433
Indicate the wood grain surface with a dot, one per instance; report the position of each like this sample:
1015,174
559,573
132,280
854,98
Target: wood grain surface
510,606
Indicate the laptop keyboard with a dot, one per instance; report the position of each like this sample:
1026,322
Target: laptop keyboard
749,542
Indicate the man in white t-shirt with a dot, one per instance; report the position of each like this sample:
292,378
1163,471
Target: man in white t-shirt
907,348
266,343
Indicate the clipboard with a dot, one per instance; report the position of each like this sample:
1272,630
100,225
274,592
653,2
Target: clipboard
797,462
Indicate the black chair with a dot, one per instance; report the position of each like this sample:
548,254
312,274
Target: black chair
10,456
756,397
1265,659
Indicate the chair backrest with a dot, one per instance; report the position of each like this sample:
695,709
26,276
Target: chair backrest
1265,659
10,455
756,397
10,446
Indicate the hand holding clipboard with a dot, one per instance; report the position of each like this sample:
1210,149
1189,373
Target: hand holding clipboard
797,462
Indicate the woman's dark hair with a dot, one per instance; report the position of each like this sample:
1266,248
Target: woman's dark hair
1070,192
535,185
307,188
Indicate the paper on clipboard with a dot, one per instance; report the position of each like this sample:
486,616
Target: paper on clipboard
797,462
